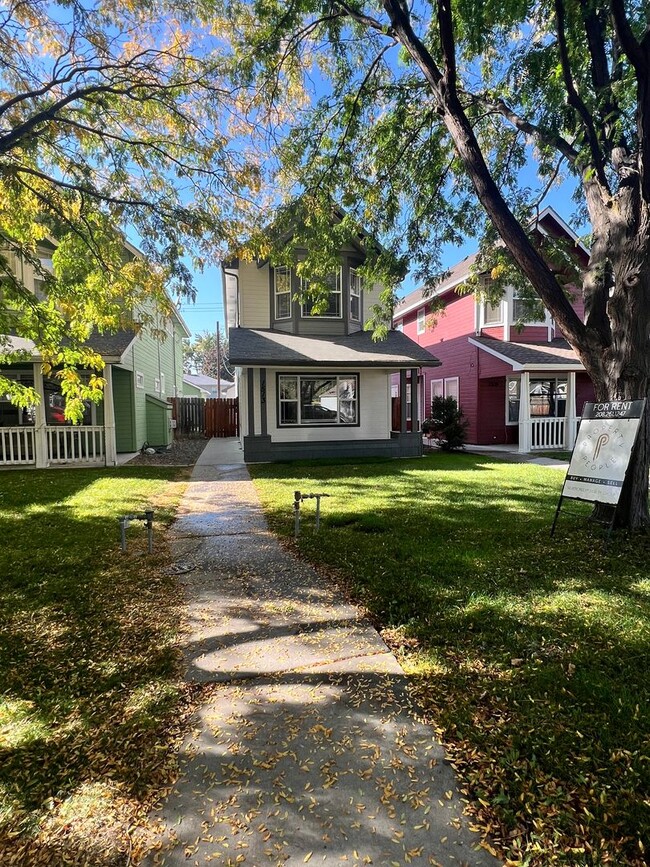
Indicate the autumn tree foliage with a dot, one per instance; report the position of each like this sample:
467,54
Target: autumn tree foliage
113,116
420,118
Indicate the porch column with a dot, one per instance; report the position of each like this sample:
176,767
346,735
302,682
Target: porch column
415,427
263,414
250,389
570,415
40,421
524,413
402,401
110,446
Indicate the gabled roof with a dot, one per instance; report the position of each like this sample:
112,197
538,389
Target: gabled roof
455,276
111,347
460,272
202,380
530,356
265,348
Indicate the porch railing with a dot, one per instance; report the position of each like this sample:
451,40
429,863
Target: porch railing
547,433
83,444
16,446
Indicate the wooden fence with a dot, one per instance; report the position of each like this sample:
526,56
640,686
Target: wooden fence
211,417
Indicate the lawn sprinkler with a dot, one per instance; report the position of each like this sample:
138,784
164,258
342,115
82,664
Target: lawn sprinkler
298,497
146,518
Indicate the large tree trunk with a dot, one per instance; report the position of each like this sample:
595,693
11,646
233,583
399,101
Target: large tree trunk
618,309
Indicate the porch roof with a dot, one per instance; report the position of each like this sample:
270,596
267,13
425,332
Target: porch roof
111,347
556,355
251,347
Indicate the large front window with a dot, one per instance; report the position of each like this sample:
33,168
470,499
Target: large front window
313,400
332,310
546,398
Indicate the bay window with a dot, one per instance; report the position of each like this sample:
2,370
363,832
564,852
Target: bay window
282,292
333,309
355,295
317,399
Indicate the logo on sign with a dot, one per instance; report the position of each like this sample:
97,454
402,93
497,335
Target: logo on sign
601,442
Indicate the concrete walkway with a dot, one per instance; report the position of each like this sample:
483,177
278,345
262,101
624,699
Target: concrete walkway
306,749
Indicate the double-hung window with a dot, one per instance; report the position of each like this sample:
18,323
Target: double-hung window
527,311
317,399
282,292
334,307
355,295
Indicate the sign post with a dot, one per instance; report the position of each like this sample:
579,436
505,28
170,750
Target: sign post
602,452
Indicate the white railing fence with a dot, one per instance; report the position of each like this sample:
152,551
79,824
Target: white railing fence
547,433
83,444
16,446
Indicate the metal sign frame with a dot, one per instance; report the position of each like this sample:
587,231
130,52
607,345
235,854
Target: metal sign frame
603,447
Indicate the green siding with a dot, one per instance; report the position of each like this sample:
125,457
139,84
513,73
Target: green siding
190,390
158,414
124,420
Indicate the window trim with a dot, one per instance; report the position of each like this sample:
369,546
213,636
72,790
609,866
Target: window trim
315,375
162,383
432,382
501,320
276,294
541,323
421,320
508,380
354,275
338,291
139,379
457,380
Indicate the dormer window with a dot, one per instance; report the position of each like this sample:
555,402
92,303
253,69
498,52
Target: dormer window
334,306
355,295
282,292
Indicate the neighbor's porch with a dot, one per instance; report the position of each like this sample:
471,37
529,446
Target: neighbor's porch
40,437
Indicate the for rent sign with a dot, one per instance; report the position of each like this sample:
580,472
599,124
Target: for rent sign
601,455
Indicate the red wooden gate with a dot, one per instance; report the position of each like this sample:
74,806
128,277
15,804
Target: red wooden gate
213,417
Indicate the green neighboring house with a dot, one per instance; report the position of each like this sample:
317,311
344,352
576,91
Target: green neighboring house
141,373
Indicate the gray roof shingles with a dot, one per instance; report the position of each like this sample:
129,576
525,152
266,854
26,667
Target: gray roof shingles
251,347
556,352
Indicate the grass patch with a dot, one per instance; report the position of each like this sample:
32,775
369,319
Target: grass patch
90,693
529,655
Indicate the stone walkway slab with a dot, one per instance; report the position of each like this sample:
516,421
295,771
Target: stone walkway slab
307,749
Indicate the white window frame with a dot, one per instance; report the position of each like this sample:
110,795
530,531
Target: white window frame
139,379
284,271
356,286
156,384
514,296
456,396
309,424
162,383
439,383
510,379
400,325
484,321
338,290
422,320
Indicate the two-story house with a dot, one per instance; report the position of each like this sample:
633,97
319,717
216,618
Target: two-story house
315,385
522,386
141,370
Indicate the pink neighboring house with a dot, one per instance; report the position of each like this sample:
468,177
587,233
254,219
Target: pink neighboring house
524,387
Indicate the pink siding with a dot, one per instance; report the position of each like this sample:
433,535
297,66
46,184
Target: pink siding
584,391
492,410
459,359
496,332
530,334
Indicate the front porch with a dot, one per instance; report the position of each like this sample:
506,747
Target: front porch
40,437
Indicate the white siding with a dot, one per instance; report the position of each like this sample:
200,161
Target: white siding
374,410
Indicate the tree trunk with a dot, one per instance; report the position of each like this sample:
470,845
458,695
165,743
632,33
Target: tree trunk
623,372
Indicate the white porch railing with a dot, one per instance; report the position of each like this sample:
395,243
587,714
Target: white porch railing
16,446
547,433
82,444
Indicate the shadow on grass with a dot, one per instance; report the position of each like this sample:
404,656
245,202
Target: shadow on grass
88,663
530,654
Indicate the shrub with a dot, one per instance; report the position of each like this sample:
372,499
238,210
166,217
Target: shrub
446,424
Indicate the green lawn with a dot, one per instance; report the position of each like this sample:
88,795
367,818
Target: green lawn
529,655
89,688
